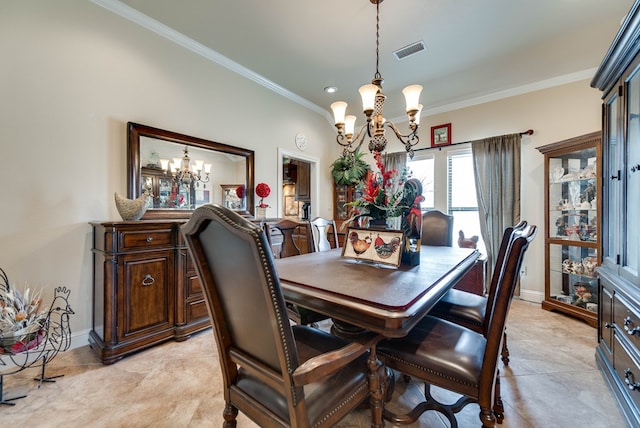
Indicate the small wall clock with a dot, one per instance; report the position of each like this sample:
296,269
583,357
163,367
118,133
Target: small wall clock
301,141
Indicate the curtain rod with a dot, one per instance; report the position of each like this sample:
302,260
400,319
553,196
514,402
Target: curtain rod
527,132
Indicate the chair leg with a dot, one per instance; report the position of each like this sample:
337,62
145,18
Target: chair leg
505,351
229,414
498,405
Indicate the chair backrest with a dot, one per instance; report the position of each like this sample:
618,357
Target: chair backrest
498,266
236,269
288,228
496,318
320,230
437,229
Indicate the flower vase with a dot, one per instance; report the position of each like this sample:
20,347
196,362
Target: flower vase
377,223
394,223
261,213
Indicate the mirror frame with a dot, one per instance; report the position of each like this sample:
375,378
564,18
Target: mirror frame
136,130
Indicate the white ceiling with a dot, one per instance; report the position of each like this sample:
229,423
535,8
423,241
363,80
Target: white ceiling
476,49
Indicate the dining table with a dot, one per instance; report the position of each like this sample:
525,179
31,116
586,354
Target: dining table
363,296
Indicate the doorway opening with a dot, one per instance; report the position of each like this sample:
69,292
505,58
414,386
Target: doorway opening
297,186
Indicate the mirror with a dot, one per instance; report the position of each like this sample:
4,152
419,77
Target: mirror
150,148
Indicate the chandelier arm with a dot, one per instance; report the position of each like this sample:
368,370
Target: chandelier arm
405,138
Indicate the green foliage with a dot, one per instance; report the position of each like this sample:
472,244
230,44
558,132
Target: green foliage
349,170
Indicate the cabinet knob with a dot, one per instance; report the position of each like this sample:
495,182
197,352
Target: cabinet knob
635,331
635,168
630,381
148,280
149,238
608,325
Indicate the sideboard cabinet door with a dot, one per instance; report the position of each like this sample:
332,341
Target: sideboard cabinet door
145,300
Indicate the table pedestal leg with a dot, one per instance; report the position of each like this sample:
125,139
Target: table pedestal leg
377,378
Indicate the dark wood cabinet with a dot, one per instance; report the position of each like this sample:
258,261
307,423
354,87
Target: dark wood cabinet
145,289
618,349
342,195
303,181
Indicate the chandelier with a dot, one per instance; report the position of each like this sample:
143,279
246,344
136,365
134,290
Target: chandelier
372,103
182,171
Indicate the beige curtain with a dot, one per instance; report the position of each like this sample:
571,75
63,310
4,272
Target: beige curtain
397,161
496,166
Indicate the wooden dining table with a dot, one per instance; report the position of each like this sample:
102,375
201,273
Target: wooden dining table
377,298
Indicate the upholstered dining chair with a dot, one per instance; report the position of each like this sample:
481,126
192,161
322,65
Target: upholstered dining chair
455,358
321,229
277,374
289,248
470,310
437,229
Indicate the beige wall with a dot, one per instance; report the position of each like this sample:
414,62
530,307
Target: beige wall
554,114
72,76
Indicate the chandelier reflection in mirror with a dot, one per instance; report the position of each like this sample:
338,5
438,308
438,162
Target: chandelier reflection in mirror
372,104
186,174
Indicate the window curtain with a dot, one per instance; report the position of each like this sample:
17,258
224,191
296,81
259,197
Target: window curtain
397,161
496,166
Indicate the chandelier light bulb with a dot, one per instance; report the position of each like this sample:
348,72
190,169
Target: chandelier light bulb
368,94
349,125
412,96
339,109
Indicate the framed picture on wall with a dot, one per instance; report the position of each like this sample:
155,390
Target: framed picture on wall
441,135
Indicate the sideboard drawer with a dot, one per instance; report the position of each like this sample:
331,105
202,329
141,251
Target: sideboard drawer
627,369
145,239
627,317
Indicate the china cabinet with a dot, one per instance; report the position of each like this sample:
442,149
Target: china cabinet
572,171
618,349
342,195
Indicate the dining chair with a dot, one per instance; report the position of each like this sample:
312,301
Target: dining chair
437,229
455,358
469,309
321,230
278,375
288,248
288,228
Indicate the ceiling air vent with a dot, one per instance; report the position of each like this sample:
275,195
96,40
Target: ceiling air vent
409,50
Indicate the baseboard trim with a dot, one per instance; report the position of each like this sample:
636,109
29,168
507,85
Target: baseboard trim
531,296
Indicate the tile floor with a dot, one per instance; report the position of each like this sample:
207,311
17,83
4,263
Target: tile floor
552,381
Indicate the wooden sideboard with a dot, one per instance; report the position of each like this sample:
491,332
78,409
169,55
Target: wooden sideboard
145,288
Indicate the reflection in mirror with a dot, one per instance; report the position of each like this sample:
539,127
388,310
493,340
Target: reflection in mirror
173,167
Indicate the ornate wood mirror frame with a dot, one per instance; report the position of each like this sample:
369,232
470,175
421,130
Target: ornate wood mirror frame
146,144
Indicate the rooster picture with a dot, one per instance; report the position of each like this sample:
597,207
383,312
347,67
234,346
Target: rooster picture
386,250
359,245
467,242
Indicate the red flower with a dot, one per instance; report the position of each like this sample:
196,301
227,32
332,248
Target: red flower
240,191
263,190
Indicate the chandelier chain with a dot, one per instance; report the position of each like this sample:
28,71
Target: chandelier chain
377,75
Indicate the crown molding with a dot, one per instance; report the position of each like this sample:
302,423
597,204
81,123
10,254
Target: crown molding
180,39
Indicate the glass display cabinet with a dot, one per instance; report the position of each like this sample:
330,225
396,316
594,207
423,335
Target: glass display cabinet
572,239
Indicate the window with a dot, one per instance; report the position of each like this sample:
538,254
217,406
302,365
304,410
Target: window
448,185
461,195
422,168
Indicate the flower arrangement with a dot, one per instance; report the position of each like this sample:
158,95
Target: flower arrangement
382,193
21,318
263,190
